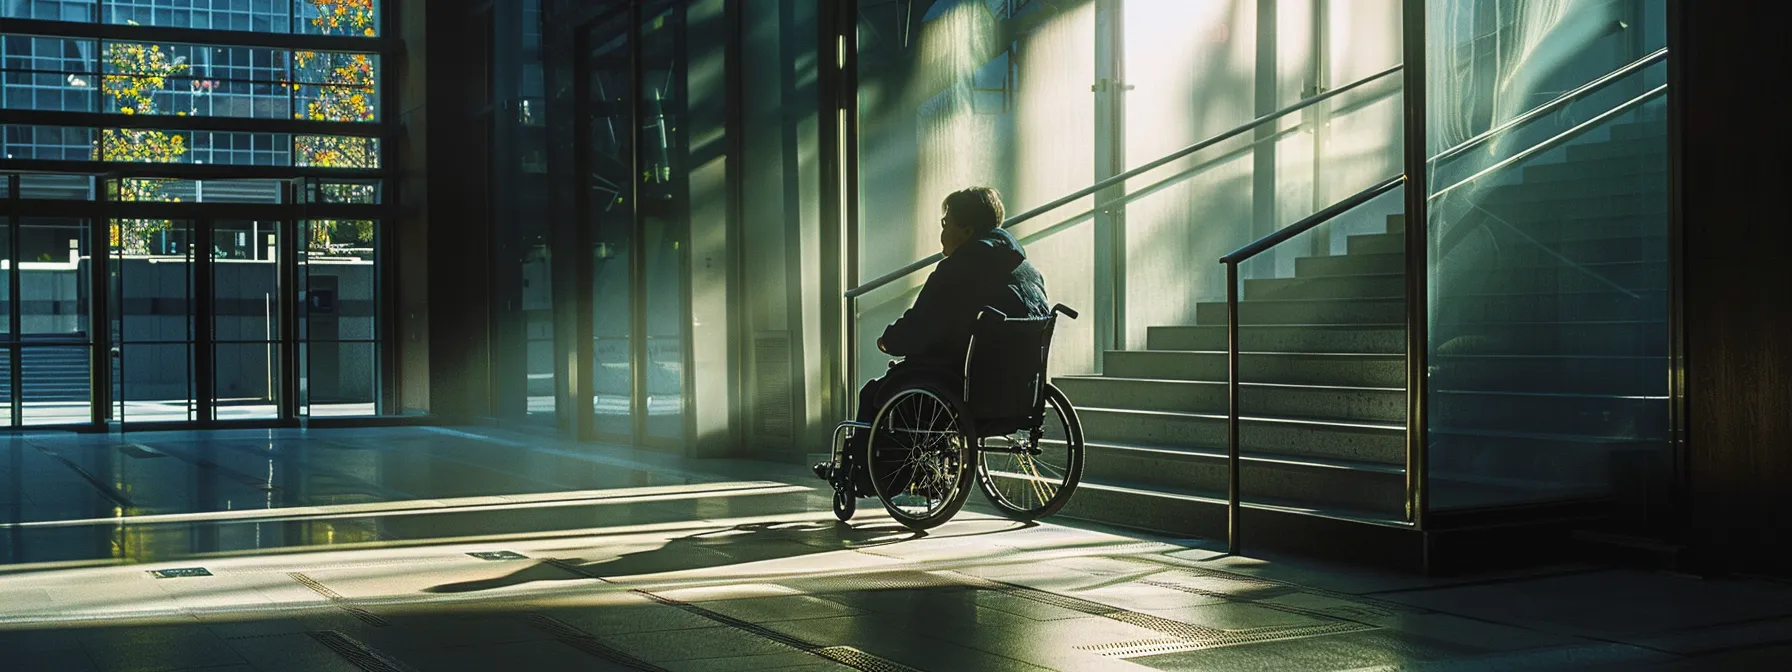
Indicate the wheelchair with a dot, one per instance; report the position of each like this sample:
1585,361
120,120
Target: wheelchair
1018,431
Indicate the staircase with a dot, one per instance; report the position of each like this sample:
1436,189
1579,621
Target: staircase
54,374
1548,382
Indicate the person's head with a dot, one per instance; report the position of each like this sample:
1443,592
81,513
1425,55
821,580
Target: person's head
967,214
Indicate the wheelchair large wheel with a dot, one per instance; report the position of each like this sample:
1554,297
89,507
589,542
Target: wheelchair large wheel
918,456
1031,474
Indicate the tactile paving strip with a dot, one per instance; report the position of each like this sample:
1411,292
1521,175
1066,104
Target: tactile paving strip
338,600
1376,604
360,655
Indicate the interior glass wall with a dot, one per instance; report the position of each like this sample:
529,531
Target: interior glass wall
1548,266
610,136
523,261
339,315
999,93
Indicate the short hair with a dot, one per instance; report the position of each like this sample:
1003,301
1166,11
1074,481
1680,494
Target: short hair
979,208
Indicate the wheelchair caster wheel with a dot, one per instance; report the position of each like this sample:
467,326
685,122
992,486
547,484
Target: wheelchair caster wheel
844,505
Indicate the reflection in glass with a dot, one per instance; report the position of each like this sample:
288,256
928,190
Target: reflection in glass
610,214
664,206
56,383
1549,339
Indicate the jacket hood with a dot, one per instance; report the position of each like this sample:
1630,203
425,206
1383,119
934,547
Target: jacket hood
998,244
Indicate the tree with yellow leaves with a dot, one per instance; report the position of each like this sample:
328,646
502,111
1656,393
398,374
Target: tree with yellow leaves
134,74
344,91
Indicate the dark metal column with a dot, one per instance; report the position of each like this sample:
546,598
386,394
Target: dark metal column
199,247
99,303
1417,247
639,362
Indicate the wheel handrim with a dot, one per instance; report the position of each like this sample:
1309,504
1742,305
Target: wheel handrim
926,461
1025,475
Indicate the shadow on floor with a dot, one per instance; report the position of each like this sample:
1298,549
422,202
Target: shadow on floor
739,544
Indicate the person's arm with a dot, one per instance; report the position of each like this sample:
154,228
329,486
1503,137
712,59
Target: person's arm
924,324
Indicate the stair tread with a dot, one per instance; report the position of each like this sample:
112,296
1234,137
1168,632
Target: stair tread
1179,381
1317,422
1250,456
1209,497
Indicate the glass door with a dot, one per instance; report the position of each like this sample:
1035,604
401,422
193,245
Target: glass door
246,305
609,205
153,318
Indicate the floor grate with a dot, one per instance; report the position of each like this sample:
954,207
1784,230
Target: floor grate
498,555
358,654
180,572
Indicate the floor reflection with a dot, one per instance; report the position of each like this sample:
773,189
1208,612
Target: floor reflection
434,549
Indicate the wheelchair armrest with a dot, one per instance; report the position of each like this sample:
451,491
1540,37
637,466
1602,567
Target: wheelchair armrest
1061,308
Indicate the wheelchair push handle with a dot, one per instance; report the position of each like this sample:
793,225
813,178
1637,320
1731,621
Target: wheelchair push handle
991,313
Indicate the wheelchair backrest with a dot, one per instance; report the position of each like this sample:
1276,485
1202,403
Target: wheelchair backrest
1004,370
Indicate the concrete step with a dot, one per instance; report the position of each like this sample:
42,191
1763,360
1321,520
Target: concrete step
1387,339
1652,246
1563,462
1604,304
1351,264
1641,151
1382,443
1642,130
1587,306
1362,310
1569,210
1375,404
1560,374
1593,170
1642,186
1619,337
1332,287
1626,418
1552,277
1293,368
1361,487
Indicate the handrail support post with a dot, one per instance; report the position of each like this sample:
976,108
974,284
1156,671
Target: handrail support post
1233,512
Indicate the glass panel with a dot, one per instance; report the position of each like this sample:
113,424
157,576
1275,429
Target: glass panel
610,215
6,418
340,378
152,319
1320,339
50,10
53,293
49,73
61,143
338,17
336,151
261,16
664,216
944,106
56,382
333,86
200,191
338,318
53,143
363,192
1548,268
195,80
7,258
245,318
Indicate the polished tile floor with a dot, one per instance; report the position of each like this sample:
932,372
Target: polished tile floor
447,549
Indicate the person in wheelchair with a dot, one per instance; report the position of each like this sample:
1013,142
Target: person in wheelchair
984,266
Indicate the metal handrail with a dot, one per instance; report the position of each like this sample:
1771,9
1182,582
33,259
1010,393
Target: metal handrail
1231,262
1558,102
1557,140
1079,194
